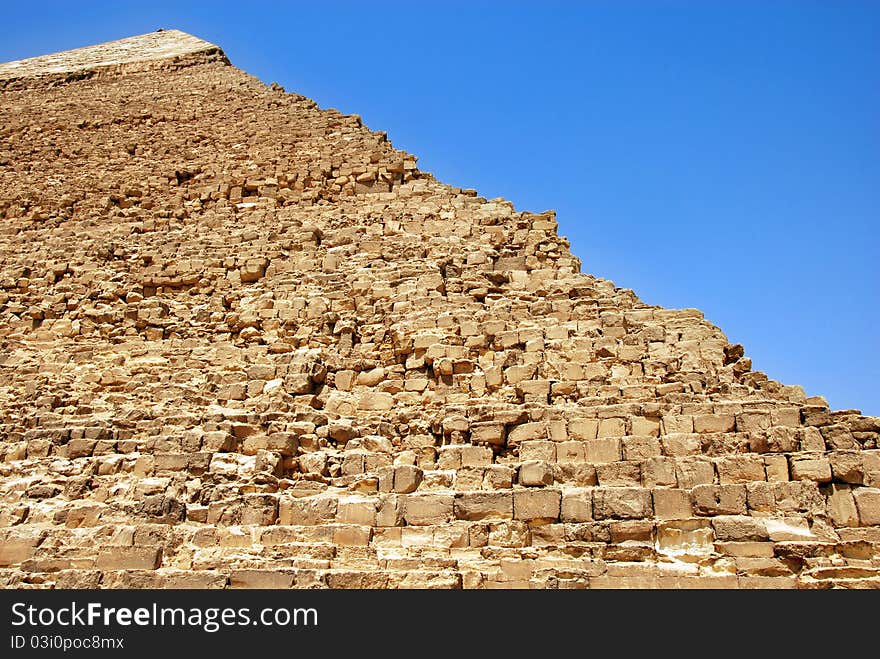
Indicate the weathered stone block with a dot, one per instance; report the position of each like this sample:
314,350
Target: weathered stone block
407,478
474,506
704,423
621,503
612,427
536,505
693,471
597,451
659,471
264,579
577,505
641,448
572,451
307,511
488,433
842,505
621,474
720,499
847,466
740,469
583,429
535,473
375,401
814,469
868,504
476,456
526,431
672,503
129,558
538,450
739,528
356,510
427,509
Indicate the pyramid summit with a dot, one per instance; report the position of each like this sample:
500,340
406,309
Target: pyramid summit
246,342
158,46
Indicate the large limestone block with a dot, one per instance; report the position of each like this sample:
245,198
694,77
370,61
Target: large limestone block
598,451
868,503
671,503
129,558
577,505
720,499
842,505
622,503
808,468
535,473
536,505
474,506
427,509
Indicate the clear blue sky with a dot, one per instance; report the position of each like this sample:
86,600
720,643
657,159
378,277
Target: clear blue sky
719,155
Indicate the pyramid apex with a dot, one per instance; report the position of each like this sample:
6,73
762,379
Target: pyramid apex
152,47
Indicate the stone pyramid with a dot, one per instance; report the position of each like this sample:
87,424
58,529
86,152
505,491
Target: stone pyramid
245,342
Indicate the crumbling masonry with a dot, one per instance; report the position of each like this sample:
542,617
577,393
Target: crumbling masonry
245,342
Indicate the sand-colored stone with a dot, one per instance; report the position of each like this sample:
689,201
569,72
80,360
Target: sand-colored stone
247,343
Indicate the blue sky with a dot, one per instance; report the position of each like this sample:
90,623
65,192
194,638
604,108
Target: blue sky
718,155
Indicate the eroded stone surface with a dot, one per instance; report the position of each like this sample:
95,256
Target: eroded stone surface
161,45
248,343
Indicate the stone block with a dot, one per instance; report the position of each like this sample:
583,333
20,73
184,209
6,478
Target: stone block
407,478
739,528
476,456
536,505
598,451
720,499
352,535
129,558
693,471
535,473
427,509
375,401
473,506
672,503
583,429
577,505
570,451
740,469
307,511
693,537
526,431
538,450
17,545
622,503
356,510
619,474
488,433
868,504
659,472
612,427
724,423
847,467
842,506
644,426
262,579
641,448
816,469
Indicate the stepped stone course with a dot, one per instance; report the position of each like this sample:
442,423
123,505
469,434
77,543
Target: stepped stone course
246,343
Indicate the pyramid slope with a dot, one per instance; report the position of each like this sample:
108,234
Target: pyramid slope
245,342
143,51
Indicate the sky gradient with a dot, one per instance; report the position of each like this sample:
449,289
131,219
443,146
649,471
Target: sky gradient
723,156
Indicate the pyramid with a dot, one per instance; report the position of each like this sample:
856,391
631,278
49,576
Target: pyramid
245,342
